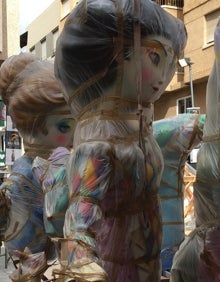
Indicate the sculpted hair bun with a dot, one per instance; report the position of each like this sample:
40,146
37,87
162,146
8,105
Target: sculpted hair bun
30,91
9,72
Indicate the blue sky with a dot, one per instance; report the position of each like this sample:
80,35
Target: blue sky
31,9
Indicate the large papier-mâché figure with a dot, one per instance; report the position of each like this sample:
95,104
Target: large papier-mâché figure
176,136
113,60
198,257
38,110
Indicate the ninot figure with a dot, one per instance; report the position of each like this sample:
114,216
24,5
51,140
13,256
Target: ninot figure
113,60
198,257
38,110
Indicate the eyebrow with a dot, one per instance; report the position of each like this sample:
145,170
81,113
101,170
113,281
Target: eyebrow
153,43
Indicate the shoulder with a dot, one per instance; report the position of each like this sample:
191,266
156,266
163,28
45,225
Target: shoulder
94,148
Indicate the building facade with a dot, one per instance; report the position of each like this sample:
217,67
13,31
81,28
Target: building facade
9,29
200,18
44,31
9,45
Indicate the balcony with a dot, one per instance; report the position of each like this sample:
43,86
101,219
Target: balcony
174,3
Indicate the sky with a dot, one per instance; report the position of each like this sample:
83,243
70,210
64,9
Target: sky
31,9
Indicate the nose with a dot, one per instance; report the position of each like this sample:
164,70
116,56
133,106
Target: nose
161,77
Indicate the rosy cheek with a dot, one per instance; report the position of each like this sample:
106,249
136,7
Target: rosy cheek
146,74
60,139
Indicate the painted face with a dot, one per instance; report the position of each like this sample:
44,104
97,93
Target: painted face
60,129
157,69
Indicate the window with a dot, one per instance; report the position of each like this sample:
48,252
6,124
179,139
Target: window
65,8
175,3
183,104
179,69
210,24
43,49
32,50
55,34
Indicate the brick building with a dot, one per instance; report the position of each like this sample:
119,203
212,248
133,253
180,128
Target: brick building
200,18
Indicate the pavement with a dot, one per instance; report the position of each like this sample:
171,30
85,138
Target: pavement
6,266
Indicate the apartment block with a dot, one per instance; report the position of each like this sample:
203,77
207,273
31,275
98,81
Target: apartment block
9,45
44,31
200,18
9,29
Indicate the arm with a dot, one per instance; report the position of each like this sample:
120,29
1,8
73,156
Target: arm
89,176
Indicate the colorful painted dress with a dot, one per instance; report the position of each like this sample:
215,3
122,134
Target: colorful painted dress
51,174
114,219
25,228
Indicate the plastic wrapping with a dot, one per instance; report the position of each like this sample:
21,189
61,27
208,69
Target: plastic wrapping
52,175
98,43
198,256
22,76
206,190
38,110
25,225
108,213
176,136
113,59
31,265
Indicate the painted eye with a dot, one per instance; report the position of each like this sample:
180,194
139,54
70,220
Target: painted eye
154,57
64,128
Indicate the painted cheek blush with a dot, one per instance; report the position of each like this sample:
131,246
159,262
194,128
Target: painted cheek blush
146,74
60,139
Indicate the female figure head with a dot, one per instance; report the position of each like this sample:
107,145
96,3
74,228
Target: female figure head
106,45
35,103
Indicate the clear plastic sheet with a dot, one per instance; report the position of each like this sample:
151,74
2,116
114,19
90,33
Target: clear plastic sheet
198,258
37,108
51,174
29,90
113,59
206,190
176,136
97,45
30,267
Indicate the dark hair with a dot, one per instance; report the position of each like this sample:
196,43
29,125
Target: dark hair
89,45
29,89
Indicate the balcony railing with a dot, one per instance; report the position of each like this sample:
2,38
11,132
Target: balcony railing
175,3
